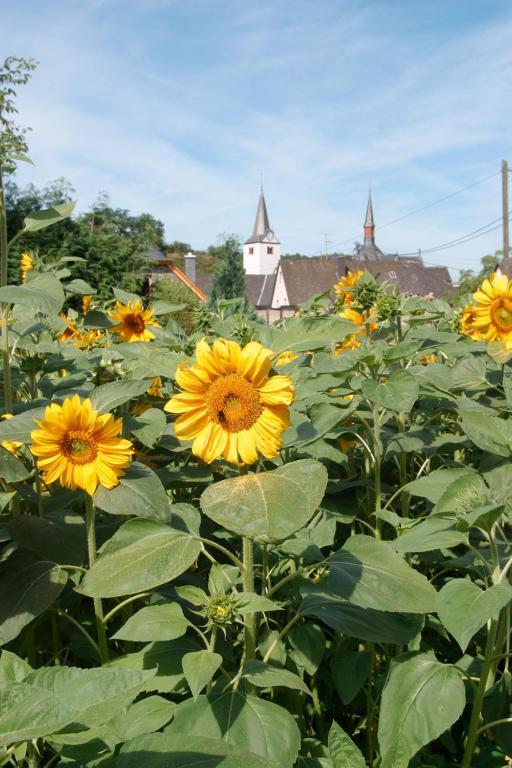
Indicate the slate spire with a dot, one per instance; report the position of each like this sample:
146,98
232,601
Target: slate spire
369,223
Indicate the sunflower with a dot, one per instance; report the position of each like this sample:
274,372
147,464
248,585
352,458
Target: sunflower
86,303
87,339
493,309
363,319
285,358
345,287
427,359
466,322
71,331
230,406
133,321
155,389
10,445
26,264
79,447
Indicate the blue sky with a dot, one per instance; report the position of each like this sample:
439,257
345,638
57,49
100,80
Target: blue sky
176,107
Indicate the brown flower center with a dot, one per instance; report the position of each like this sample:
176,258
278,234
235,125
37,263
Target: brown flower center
501,313
233,402
134,322
80,447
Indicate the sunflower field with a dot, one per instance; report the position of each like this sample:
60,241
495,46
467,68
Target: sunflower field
254,546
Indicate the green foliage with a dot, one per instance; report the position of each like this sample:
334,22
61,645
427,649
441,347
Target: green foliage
178,293
14,72
340,604
229,278
110,241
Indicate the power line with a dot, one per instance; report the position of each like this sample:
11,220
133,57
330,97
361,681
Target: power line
480,232
424,207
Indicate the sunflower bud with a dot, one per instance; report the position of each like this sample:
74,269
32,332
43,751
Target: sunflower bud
220,610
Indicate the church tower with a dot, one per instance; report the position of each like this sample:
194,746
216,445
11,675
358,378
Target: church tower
262,250
369,250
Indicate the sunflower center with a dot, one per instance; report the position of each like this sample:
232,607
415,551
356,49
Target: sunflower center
233,402
79,447
134,322
501,313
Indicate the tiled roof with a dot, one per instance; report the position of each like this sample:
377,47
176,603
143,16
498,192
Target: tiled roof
259,289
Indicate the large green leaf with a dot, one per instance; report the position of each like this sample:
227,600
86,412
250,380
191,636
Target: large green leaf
92,695
28,586
164,658
108,396
12,470
489,433
349,670
149,714
306,333
143,554
20,426
398,393
433,486
45,218
307,641
464,608
44,293
139,492
368,573
342,750
428,534
60,538
171,750
245,722
269,676
365,624
421,699
268,506
199,667
12,668
164,621
148,427
49,699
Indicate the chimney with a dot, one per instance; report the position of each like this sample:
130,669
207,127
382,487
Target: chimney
190,266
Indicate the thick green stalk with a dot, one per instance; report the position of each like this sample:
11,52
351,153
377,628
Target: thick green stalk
4,250
248,581
91,551
486,681
377,469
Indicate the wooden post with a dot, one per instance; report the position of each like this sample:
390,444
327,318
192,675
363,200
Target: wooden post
506,244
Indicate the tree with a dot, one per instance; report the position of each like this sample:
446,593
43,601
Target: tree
19,203
229,278
111,240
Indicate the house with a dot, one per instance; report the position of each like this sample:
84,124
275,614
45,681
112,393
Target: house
277,286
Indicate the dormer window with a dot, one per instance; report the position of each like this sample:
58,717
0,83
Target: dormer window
251,250
392,275
270,249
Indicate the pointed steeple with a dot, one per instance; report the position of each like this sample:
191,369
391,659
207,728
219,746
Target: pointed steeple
369,223
261,225
262,230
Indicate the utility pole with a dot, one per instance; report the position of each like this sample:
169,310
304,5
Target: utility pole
504,195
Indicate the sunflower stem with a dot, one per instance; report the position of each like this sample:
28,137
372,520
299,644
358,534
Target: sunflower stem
248,577
91,551
4,251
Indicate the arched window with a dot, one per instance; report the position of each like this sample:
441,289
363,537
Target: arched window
251,250
270,249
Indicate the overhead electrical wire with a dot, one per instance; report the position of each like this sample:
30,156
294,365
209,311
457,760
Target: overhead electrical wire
424,208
